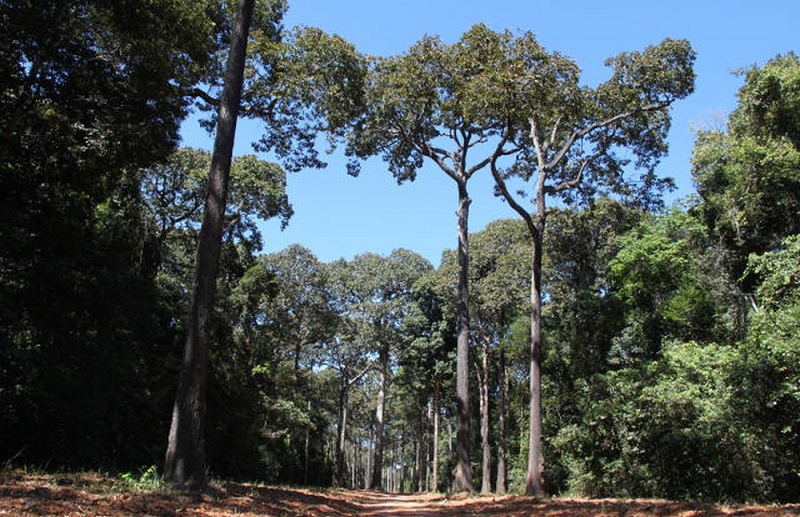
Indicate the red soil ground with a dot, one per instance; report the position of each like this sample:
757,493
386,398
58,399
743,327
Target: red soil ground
89,494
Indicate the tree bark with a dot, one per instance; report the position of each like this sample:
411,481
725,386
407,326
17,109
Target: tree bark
368,472
502,383
338,459
486,463
463,480
185,459
306,447
380,408
420,454
533,482
435,483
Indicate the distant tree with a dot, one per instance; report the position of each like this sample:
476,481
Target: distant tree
426,363
348,356
301,317
567,140
499,283
377,296
658,276
582,314
302,311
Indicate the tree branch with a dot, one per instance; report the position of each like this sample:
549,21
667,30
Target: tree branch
261,113
201,94
571,183
360,374
576,135
501,185
436,154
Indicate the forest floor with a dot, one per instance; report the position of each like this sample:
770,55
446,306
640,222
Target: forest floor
24,494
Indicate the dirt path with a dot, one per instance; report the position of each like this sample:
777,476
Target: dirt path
418,505
390,505
393,505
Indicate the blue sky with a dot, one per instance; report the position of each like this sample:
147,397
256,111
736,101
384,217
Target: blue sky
340,216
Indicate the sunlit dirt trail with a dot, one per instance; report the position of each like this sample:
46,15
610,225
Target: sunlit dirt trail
393,505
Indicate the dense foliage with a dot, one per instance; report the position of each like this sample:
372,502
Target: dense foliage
671,338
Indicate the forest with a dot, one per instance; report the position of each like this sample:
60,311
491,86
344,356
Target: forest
598,342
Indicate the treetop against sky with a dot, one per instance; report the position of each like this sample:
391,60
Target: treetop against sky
339,216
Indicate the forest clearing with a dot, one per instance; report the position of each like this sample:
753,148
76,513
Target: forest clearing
93,494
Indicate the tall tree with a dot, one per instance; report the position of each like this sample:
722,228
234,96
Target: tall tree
306,84
568,138
346,354
422,106
185,461
426,364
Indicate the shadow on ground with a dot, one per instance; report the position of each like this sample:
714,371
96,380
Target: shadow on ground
90,494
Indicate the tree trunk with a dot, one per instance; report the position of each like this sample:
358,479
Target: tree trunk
368,472
380,408
435,483
338,459
185,459
533,483
502,383
306,447
463,481
486,467
344,397
420,454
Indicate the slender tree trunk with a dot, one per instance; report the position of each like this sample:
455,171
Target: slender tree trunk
535,223
306,448
486,467
429,448
353,465
344,397
420,454
185,459
435,483
463,481
533,483
368,471
502,382
399,459
380,409
338,459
